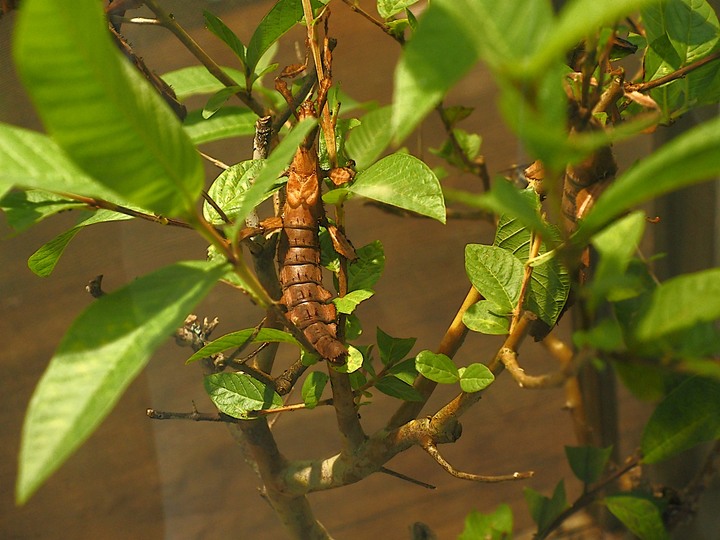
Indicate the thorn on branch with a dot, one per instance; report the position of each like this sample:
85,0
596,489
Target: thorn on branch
432,449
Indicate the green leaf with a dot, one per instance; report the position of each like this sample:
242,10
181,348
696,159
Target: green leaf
640,515
33,160
218,99
194,80
347,304
226,123
485,317
476,377
469,144
368,141
229,190
403,181
238,394
365,271
679,303
436,367
688,416
394,387
544,510
663,171
240,338
281,18
343,126
393,349
405,371
588,462
496,274
23,209
313,387
495,526
353,362
220,29
388,8
108,119
102,352
43,261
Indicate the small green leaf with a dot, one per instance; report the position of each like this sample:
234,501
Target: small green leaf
469,144
353,362
220,29
23,209
218,99
495,526
368,141
405,371
393,349
43,261
588,462
606,335
403,181
688,416
347,304
388,8
394,387
544,510
476,377
640,515
229,190
487,318
365,271
238,394
195,80
102,352
313,387
240,338
436,367
495,273
226,123
101,111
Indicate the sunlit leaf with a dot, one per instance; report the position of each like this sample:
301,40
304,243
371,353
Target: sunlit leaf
367,141
486,318
226,123
495,273
476,377
229,190
194,80
347,304
23,209
240,338
497,525
238,394
436,367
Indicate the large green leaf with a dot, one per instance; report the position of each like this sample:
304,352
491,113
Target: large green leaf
105,348
640,515
485,317
32,160
496,274
43,261
688,416
194,80
690,158
228,190
23,209
226,123
403,181
241,338
370,138
100,110
238,394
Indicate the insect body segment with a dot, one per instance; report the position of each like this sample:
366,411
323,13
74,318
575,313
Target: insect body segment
307,301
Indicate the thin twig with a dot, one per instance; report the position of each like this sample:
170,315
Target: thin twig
195,416
219,164
509,359
535,244
432,449
357,9
405,477
679,74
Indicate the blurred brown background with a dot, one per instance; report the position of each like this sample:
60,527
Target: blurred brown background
136,478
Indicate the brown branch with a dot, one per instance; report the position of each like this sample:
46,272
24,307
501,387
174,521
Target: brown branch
431,449
357,9
509,359
195,416
94,287
535,244
219,164
679,74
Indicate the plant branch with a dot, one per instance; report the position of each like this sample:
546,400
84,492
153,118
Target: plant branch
679,74
433,451
195,416
535,244
357,9
509,359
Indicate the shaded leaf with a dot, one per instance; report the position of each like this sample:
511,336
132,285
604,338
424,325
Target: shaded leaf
640,515
365,271
436,367
238,394
102,352
405,371
23,209
220,29
240,338
394,387
393,349
544,510
588,462
218,99
194,80
313,387
403,181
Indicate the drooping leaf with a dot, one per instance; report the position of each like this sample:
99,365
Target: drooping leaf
226,123
240,338
495,273
394,387
639,514
221,30
486,318
663,171
476,377
43,261
497,525
403,181
365,271
238,394
544,510
588,462
195,80
393,349
688,416
23,209
313,387
229,190
102,352
108,119
347,304
367,141
436,367
32,160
